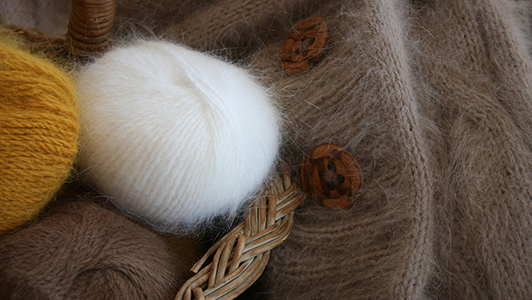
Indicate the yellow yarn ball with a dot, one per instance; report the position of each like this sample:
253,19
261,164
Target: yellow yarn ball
38,134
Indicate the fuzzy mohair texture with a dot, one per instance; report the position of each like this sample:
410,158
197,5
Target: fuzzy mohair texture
39,131
174,136
85,251
434,99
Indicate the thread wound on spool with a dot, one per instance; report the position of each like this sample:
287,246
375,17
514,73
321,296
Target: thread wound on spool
39,132
174,136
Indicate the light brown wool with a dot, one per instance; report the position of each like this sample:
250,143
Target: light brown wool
433,98
82,250
50,16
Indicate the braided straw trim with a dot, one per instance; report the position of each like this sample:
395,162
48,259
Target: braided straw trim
240,257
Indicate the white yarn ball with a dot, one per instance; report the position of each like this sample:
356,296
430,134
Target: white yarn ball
174,136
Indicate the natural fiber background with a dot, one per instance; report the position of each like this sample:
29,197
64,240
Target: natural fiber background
434,99
84,250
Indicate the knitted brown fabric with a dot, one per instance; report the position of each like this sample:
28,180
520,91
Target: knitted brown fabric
84,251
434,99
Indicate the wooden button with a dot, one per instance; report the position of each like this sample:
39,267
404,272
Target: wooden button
332,176
304,47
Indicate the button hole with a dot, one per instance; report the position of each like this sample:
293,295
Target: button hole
340,179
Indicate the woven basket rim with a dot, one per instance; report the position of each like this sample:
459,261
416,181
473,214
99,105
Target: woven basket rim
239,258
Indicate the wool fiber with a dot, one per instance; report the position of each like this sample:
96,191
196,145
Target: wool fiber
84,250
39,130
174,136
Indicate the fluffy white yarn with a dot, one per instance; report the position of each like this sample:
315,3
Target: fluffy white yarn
174,136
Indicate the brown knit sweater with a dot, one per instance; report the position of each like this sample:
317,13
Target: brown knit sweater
434,99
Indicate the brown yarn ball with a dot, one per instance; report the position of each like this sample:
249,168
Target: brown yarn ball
85,251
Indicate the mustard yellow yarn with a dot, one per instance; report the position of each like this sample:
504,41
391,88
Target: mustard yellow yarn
38,133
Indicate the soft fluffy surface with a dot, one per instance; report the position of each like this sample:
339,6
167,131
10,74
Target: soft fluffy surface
433,98
174,136
38,133
85,251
